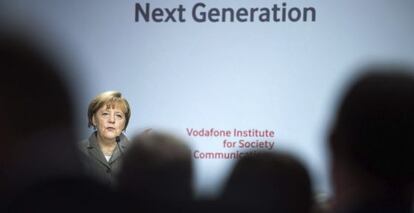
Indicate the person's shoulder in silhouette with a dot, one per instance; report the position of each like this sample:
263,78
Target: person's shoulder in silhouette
39,157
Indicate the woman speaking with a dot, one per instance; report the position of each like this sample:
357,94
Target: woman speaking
108,114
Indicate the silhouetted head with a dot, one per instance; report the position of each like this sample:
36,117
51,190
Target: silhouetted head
157,167
34,96
37,129
269,182
374,127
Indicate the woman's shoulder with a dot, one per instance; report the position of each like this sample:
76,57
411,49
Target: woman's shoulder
85,143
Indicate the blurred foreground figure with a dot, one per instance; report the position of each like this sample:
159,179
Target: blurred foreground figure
268,182
37,118
156,174
40,168
372,143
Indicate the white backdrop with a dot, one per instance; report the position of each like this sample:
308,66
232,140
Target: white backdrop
280,76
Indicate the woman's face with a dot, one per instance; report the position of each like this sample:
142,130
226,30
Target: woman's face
109,121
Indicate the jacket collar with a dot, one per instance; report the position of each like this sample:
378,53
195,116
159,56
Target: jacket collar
96,152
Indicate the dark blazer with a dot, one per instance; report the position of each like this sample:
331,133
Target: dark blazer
95,162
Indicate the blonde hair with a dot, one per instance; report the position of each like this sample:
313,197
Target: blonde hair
109,98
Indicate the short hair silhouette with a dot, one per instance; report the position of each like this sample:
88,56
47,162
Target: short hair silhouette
268,182
34,94
372,140
157,168
37,128
375,123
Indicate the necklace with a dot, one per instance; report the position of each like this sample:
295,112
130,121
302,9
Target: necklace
107,150
107,153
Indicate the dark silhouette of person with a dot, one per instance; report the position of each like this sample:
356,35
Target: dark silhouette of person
372,142
157,173
40,169
268,182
